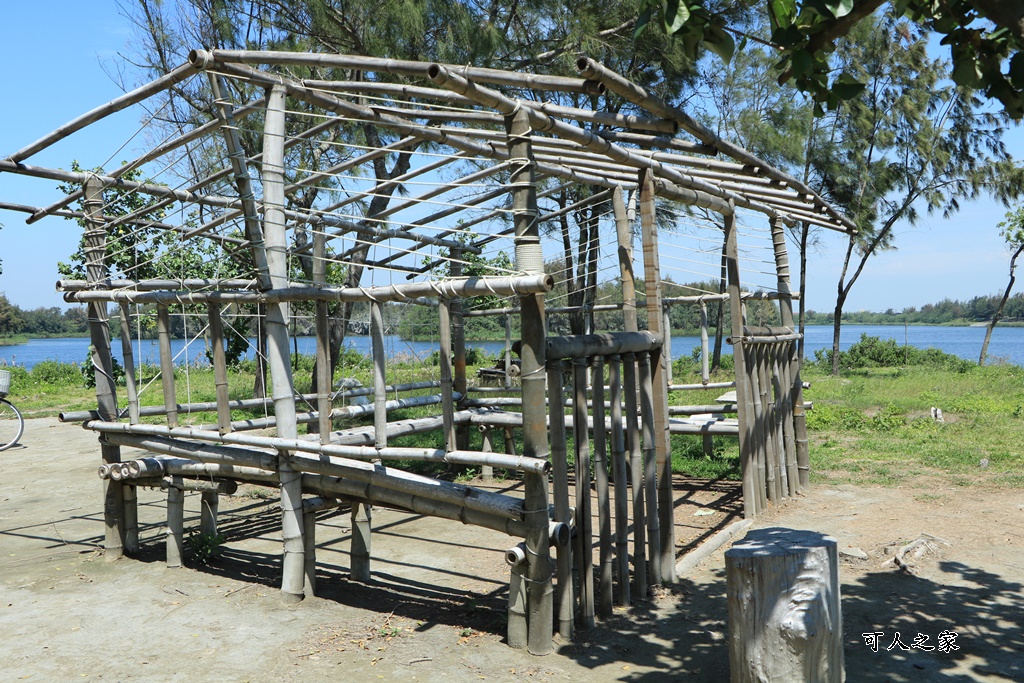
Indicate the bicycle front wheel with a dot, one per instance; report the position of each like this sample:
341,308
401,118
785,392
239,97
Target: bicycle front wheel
11,424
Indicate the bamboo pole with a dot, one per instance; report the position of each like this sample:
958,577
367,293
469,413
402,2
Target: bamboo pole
458,349
564,591
796,391
605,563
447,404
636,477
660,377
619,469
220,369
175,530
508,352
766,476
705,372
605,344
588,68
779,415
99,334
650,467
380,414
163,331
530,258
518,627
584,515
487,446
275,250
744,402
361,518
129,364
210,502
323,341
130,506
520,463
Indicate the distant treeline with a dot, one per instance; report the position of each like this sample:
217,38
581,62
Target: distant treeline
41,322
977,310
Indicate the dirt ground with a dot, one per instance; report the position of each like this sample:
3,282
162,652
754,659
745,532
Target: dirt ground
435,609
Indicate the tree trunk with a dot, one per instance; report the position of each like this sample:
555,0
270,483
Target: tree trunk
999,310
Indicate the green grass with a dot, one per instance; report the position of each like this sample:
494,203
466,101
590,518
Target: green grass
874,425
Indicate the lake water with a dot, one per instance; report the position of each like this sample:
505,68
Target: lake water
1007,343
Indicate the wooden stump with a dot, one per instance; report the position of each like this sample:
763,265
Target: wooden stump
785,622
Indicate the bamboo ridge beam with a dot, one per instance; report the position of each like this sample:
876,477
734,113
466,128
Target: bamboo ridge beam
408,293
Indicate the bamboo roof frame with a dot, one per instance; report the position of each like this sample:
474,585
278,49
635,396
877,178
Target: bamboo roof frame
448,107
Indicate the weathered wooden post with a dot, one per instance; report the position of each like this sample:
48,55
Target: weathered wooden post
458,350
530,259
584,521
619,469
803,465
99,333
785,618
564,595
275,250
744,399
660,359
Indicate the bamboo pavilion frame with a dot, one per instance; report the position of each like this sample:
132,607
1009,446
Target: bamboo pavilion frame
483,155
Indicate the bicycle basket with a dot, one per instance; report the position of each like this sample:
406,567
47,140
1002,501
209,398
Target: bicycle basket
5,382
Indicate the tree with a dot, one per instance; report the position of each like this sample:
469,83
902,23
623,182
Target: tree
10,317
1013,232
910,139
983,36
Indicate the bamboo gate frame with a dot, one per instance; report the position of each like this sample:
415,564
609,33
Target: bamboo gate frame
622,441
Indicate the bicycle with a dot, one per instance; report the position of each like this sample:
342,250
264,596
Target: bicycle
12,425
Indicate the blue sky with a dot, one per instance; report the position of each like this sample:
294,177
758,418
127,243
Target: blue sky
54,55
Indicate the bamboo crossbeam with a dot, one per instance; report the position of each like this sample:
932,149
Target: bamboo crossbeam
409,293
753,296
339,413
518,463
139,94
591,69
155,153
394,66
241,404
191,285
607,344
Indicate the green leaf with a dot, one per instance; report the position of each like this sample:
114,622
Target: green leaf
641,22
719,42
674,13
846,87
839,8
802,62
782,13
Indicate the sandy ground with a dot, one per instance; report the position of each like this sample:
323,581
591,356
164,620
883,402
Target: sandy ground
435,609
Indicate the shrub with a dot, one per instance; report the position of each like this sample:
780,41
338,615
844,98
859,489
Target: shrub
874,352
57,373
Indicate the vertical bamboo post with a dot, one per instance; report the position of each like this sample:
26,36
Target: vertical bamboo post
584,517
705,371
518,624
163,333
209,505
744,402
361,518
458,350
564,593
380,384
276,251
788,429
175,532
604,514
508,352
447,382
129,363
99,334
636,477
660,360
765,476
130,496
487,446
782,413
650,466
530,259
619,470
220,368
803,463
625,250
667,344
309,550
768,419
323,339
